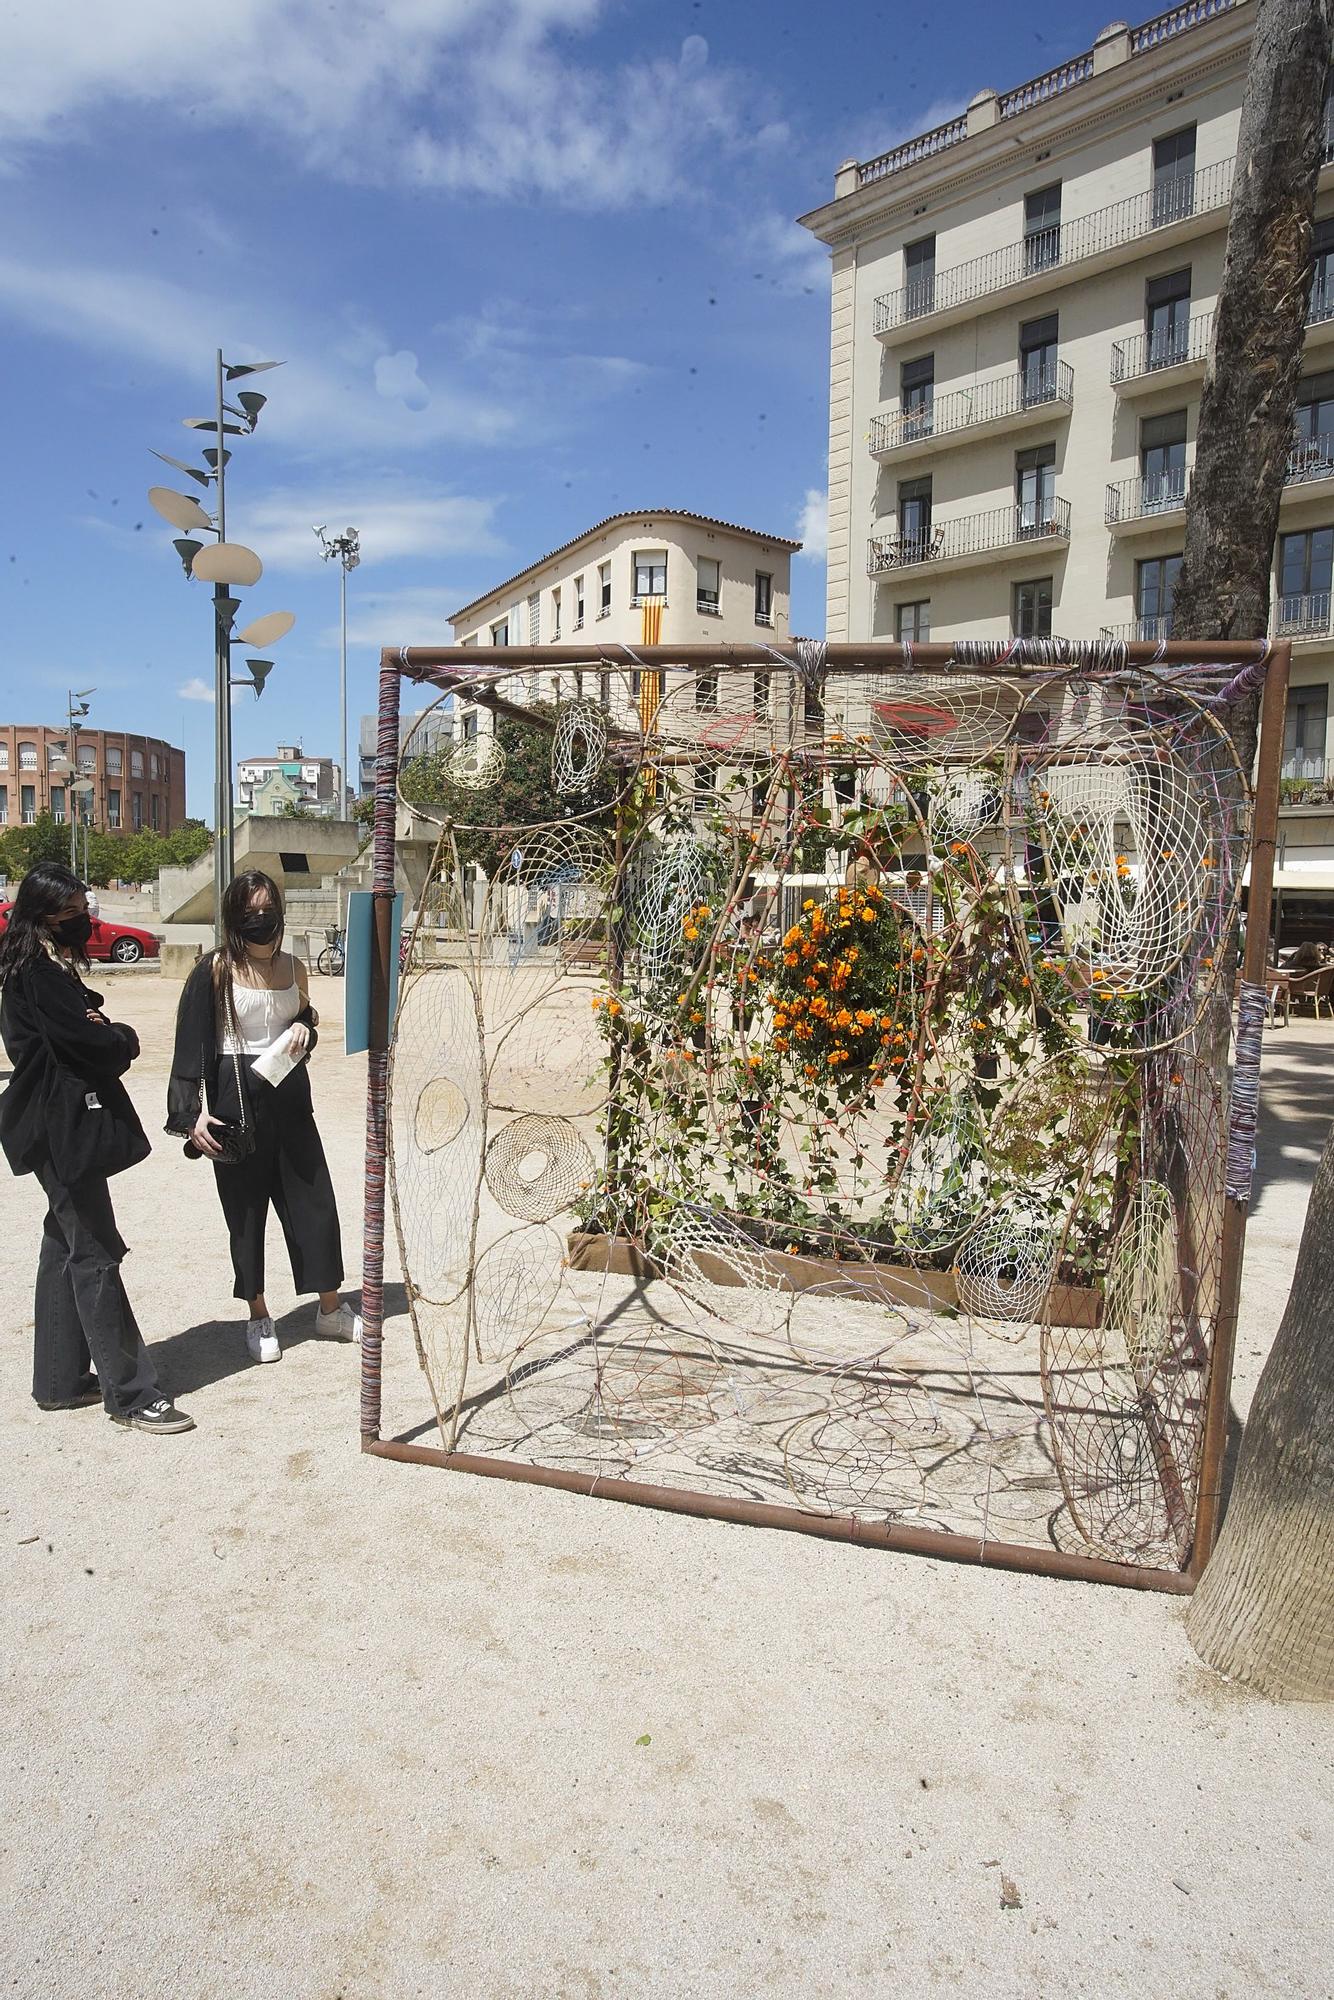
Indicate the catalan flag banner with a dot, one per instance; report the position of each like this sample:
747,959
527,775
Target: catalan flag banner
650,684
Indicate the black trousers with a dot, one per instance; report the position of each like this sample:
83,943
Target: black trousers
287,1171
81,1312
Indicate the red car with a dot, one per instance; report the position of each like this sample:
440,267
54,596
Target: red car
124,944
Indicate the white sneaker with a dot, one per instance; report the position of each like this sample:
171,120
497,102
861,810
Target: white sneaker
262,1341
341,1324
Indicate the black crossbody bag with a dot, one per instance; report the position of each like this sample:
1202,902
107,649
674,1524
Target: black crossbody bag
85,1136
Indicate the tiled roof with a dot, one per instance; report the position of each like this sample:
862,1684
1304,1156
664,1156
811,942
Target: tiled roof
629,514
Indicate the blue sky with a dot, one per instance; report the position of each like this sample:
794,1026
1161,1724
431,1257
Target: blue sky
527,262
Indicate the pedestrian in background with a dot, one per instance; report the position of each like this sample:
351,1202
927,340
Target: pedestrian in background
240,1095
67,1118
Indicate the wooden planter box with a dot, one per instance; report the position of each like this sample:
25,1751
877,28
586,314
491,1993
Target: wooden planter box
899,1284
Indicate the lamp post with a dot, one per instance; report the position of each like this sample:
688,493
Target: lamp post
226,565
76,707
347,549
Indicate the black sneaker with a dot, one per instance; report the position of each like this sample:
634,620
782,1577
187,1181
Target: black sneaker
86,1393
161,1416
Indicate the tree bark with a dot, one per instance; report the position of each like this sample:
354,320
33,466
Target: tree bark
1250,382
1264,1610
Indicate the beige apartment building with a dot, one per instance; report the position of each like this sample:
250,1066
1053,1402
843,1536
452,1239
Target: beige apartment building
138,782
714,582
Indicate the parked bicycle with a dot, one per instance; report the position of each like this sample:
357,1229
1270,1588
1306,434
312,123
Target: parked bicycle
333,959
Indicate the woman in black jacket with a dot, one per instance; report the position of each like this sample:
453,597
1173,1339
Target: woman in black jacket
66,1106
243,1031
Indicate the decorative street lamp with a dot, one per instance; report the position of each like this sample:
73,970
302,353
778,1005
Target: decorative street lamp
227,566
347,549
76,707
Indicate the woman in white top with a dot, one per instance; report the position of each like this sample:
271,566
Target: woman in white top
240,1085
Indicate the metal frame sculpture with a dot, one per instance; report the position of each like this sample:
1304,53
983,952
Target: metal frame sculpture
822,1117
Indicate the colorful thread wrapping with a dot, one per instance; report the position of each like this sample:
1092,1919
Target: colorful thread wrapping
1244,1112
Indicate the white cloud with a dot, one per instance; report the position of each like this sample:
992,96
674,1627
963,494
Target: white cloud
314,403
482,96
398,378
813,523
400,521
194,689
412,617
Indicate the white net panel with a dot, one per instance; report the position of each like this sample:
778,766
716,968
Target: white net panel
803,1094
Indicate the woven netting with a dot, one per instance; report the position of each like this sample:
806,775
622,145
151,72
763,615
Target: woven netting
820,1098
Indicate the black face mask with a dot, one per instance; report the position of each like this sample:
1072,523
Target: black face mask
74,932
260,927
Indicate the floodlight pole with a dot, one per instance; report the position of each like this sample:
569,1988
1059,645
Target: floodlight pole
347,549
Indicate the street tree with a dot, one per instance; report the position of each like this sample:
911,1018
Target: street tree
1264,1609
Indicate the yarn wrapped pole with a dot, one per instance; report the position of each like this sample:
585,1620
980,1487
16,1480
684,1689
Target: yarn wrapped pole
377,1066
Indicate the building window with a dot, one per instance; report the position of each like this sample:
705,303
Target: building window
706,694
1167,319
4,805
114,761
1039,341
649,567
1305,576
1155,586
87,757
57,801
28,803
812,705
27,756
764,598
1035,490
137,810
1031,609
914,519
917,390
1321,304
761,694
555,612
1042,228
1174,176
136,763
56,755
1162,460
919,277
1327,126
708,584
113,810
470,726
534,617
500,632
1312,456
604,589
153,770
706,777
578,604
912,622
1304,730
155,811
4,756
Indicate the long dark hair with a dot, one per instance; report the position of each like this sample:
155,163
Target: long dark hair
231,957
43,892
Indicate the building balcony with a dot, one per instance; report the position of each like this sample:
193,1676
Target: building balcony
1310,463
1007,403
1000,534
1147,362
1137,506
1304,620
1150,220
1141,631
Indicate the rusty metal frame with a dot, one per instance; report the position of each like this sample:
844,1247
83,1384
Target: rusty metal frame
449,667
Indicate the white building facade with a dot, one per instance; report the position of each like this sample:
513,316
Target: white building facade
710,580
1022,306
289,778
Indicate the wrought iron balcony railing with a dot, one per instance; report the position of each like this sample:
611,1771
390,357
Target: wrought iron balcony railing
1083,237
1305,617
970,535
1138,499
1310,458
962,409
1141,631
1166,347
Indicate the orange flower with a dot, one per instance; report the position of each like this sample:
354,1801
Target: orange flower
614,1007
868,916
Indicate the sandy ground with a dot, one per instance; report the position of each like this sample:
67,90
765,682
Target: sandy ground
285,1721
